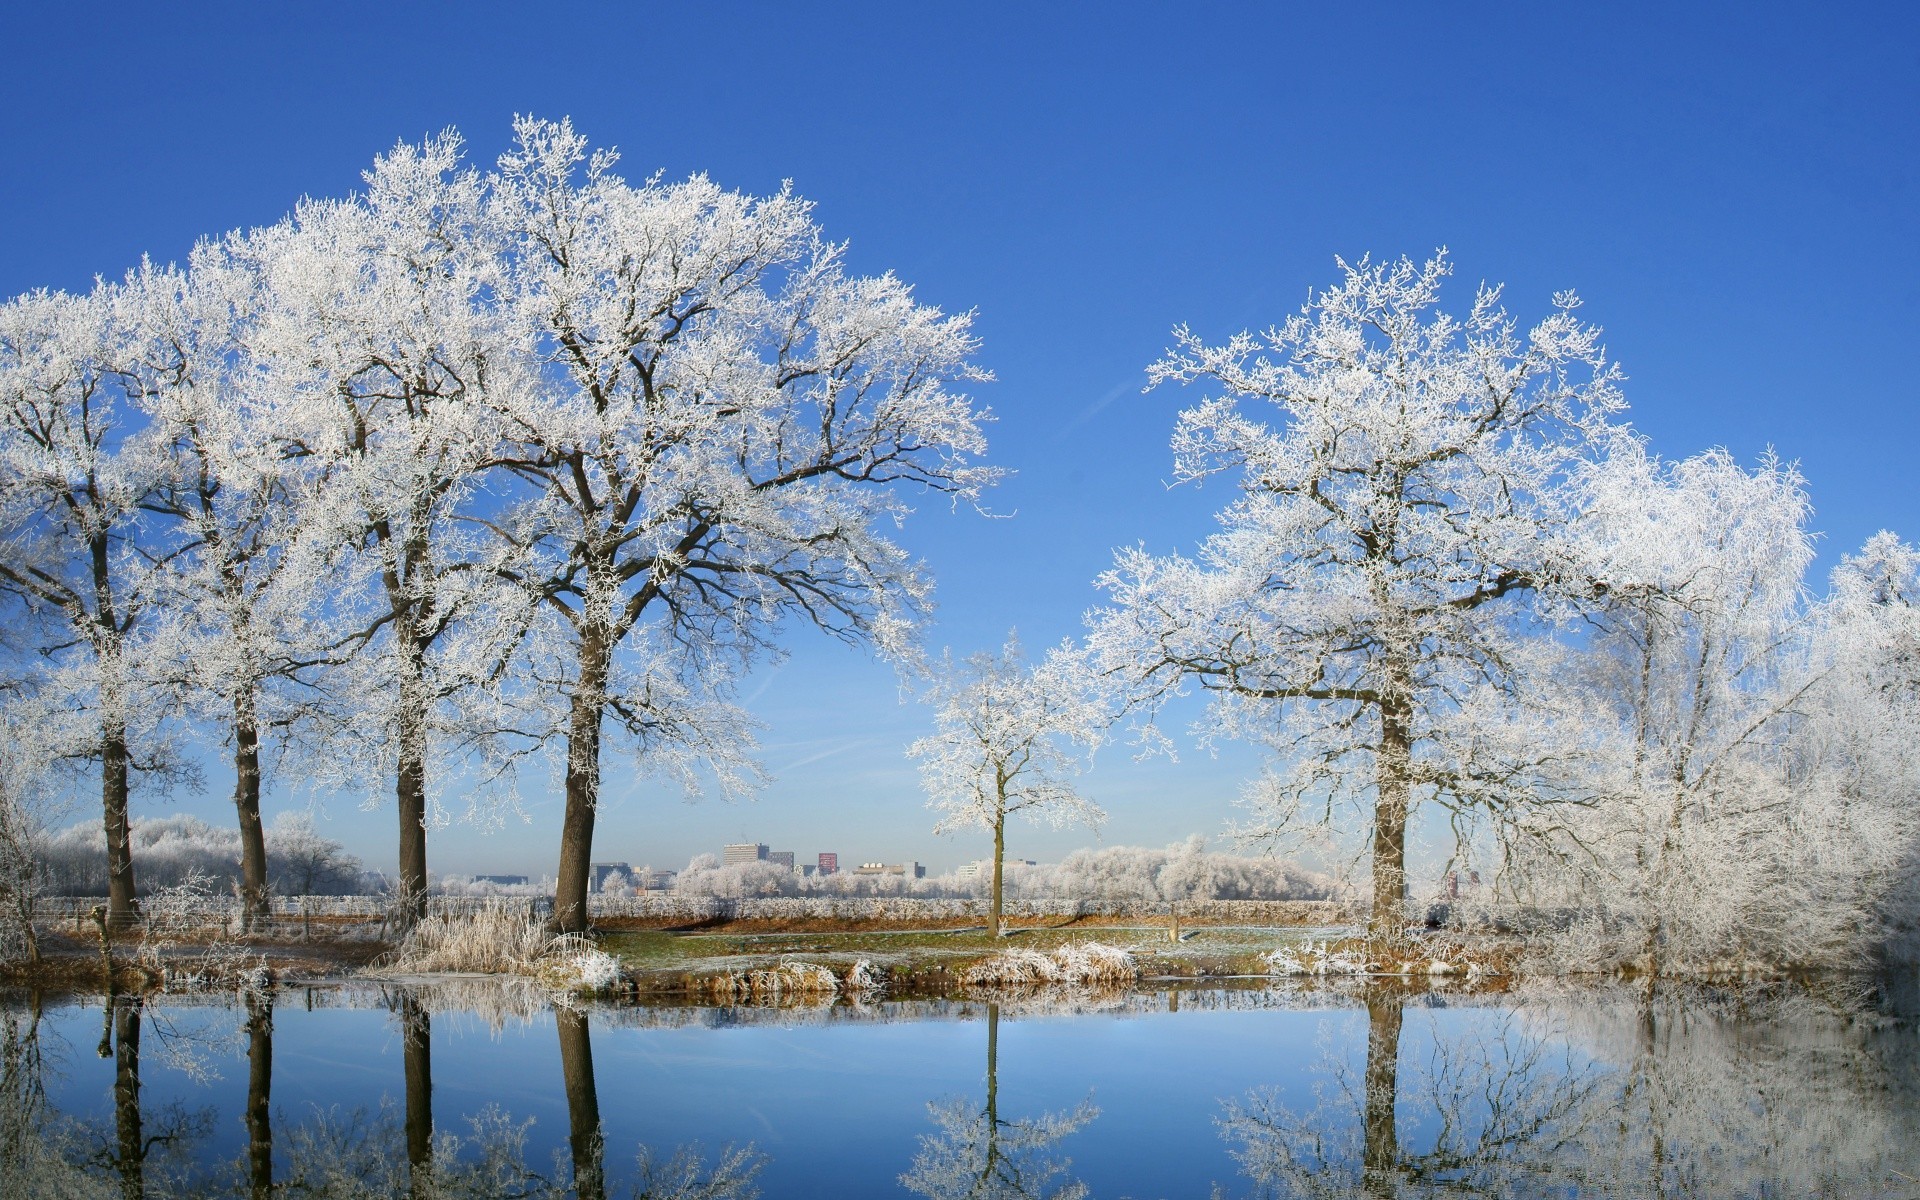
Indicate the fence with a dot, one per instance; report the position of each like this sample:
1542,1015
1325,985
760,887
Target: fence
669,906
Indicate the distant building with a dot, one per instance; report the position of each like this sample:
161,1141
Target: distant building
783,857
502,880
656,881
743,852
599,872
984,868
808,870
829,862
912,870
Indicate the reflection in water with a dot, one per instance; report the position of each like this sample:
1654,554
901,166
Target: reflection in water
1491,1112
978,1155
416,1052
259,1095
1744,1095
132,1150
354,1159
583,1104
1702,1093
32,1162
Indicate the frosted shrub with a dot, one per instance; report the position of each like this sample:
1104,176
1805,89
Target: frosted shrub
1318,958
571,963
191,914
864,977
790,979
1074,963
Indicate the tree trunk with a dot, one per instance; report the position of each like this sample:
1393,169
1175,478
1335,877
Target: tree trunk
259,1096
999,862
1380,1159
410,783
583,1104
416,1039
582,784
1392,800
122,908
411,603
246,804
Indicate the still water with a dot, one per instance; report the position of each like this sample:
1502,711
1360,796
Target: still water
472,1088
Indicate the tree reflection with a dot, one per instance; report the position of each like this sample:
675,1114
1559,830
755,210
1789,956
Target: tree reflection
978,1155
584,1135
1493,1112
1753,1091
358,1156
129,1153
259,1095
1741,1092
416,1052
31,1162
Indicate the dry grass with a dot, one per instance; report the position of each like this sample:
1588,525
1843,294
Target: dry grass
498,939
495,940
1080,963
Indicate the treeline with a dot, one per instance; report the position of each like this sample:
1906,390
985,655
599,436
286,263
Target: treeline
173,850
1138,874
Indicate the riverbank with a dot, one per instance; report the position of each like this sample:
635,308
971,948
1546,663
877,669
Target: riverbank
649,959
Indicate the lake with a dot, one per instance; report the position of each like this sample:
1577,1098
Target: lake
479,1088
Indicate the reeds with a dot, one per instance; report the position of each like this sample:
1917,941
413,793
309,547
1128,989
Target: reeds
498,939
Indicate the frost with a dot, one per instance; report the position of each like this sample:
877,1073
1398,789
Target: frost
1084,963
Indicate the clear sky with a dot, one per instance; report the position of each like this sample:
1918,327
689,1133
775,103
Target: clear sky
1731,188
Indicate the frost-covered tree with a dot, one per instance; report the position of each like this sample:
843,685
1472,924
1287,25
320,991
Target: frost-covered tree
244,590
1856,763
1753,809
1365,607
24,805
724,422
378,343
1008,741
77,467
1697,568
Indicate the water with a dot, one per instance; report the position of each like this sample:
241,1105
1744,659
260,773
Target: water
475,1089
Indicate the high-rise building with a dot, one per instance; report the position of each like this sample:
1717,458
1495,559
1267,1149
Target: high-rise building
829,862
743,852
600,871
782,857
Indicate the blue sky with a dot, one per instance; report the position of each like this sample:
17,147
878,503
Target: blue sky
1731,188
